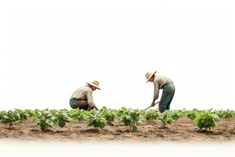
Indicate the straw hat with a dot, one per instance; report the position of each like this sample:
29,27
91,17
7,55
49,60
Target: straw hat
94,83
148,75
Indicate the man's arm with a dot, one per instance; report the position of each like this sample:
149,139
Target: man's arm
90,101
155,93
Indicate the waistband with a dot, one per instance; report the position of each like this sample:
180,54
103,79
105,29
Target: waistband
167,83
78,99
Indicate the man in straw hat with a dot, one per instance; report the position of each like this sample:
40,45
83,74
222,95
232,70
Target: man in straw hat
82,97
164,83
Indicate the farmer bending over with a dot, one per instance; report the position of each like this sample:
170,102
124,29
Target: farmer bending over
164,83
82,97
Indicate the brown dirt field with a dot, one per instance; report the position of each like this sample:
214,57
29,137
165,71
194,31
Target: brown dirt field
181,130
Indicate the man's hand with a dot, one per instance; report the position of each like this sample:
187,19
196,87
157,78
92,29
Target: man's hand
92,106
153,103
96,108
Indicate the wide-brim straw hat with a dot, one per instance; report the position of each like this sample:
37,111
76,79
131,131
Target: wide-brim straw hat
148,75
94,83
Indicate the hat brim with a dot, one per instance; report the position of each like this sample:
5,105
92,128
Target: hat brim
93,85
151,76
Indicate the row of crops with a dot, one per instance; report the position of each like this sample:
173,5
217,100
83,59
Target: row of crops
132,118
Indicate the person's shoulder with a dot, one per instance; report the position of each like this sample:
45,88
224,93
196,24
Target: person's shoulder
161,76
164,78
82,88
87,88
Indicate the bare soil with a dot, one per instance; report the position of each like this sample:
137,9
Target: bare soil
181,130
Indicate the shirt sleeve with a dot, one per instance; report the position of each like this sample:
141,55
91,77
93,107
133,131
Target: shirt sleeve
156,90
89,97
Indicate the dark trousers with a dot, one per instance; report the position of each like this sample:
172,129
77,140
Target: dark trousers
167,96
76,103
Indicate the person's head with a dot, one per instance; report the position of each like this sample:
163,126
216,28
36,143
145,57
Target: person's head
94,85
150,76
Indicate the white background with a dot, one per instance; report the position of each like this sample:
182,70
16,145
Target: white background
107,149
49,48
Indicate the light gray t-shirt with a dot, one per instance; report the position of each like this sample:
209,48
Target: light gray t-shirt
159,81
84,92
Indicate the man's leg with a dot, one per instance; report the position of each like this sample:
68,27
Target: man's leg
167,96
81,104
171,95
73,103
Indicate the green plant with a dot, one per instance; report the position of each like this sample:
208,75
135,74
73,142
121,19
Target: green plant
206,120
77,114
121,111
23,114
96,120
10,117
132,118
61,117
2,113
192,114
44,119
151,115
166,118
225,113
108,114
30,112
176,114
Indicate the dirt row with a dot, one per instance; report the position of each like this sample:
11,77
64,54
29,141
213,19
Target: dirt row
181,130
